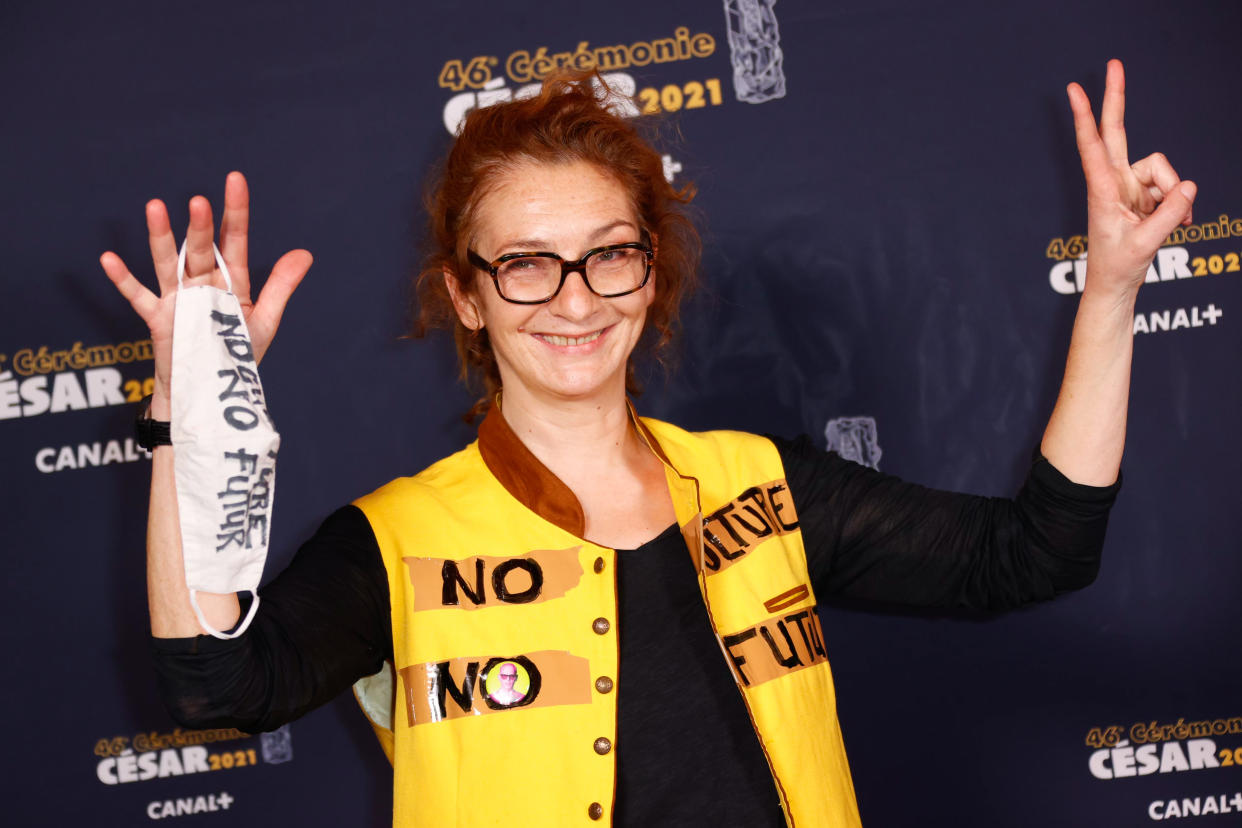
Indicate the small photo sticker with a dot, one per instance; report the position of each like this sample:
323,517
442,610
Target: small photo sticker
507,683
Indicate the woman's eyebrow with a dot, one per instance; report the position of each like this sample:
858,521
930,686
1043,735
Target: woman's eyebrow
608,228
537,245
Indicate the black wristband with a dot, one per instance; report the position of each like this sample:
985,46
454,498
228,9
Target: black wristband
151,433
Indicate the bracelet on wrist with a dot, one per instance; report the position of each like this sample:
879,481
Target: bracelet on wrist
151,433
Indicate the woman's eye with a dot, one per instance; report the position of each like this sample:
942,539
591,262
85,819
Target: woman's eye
521,266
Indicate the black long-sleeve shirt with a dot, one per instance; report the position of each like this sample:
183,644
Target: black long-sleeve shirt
326,621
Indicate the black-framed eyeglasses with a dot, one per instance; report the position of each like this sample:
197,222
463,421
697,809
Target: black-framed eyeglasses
535,278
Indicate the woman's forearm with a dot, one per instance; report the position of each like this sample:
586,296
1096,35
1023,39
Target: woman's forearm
1087,430
168,598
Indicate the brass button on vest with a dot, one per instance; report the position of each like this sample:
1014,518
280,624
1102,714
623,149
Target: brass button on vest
599,565
603,684
601,625
595,811
602,745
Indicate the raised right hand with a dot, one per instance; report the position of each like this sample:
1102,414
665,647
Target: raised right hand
1131,208
262,317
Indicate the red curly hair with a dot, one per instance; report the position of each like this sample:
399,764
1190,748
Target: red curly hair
569,120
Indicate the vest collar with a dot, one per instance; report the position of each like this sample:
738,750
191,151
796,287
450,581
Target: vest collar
527,479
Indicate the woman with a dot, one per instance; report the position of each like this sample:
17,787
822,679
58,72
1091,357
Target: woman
558,249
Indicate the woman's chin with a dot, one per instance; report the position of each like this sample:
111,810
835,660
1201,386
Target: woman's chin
578,386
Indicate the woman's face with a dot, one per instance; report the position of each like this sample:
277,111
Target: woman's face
577,345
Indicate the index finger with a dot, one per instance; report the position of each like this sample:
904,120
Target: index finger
1112,114
1090,145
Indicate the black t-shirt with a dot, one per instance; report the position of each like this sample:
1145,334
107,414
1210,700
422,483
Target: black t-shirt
686,751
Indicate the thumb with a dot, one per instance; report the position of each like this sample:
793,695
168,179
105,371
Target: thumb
1174,210
285,277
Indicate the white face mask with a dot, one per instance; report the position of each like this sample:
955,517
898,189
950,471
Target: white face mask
224,445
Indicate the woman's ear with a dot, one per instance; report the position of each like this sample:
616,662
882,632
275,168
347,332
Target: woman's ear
464,302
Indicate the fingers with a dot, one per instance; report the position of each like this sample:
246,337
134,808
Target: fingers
1143,199
263,316
1174,210
200,259
1090,145
1112,113
163,245
234,232
285,277
139,297
1156,174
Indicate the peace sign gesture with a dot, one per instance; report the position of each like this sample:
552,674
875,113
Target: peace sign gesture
262,316
1131,209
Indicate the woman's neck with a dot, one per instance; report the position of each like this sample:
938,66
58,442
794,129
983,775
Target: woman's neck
571,435
595,450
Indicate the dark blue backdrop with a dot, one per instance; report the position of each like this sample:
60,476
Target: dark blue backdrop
876,245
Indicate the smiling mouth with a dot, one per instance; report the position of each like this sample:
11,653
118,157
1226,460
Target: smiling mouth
553,339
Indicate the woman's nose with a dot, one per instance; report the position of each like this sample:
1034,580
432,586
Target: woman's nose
575,300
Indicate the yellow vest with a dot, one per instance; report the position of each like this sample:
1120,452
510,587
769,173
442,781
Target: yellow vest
488,573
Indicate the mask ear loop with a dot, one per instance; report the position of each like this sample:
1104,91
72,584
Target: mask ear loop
239,629
224,269
254,594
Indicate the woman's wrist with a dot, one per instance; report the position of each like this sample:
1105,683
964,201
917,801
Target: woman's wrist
160,402
1113,302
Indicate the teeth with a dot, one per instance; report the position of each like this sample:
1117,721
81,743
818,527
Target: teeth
570,340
